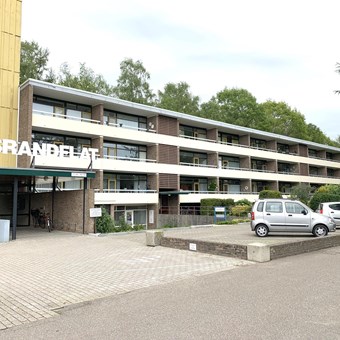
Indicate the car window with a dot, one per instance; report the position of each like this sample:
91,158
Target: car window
335,206
294,208
274,207
260,206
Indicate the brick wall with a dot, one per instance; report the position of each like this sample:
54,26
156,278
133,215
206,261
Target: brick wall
25,122
68,209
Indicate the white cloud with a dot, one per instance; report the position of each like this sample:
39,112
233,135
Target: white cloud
279,50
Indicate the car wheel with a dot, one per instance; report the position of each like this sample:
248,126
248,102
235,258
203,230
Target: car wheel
261,230
320,230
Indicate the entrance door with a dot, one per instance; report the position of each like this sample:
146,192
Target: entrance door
129,217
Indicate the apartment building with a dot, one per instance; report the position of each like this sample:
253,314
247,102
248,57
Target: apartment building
148,161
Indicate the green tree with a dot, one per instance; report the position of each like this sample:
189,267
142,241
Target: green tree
85,80
132,83
33,61
301,192
177,97
234,106
283,120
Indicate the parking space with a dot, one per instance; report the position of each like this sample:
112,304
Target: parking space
42,272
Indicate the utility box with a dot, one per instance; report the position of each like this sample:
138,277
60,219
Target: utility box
4,231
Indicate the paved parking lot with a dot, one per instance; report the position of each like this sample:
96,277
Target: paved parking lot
42,272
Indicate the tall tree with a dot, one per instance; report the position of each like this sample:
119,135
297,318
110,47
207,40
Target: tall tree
177,97
85,80
132,83
283,120
33,61
234,106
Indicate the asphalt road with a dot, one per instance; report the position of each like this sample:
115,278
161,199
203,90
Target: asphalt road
296,297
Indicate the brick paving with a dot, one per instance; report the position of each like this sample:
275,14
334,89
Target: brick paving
42,272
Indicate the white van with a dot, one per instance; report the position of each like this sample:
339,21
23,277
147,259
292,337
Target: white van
331,209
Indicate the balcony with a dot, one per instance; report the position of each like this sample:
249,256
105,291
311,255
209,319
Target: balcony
128,196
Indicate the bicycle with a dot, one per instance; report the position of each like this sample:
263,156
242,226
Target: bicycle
44,221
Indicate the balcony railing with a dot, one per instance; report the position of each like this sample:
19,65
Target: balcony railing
59,115
93,121
133,159
135,191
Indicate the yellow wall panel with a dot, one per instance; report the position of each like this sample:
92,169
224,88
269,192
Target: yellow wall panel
17,55
10,26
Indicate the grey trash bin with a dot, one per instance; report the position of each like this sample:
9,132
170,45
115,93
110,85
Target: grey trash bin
4,231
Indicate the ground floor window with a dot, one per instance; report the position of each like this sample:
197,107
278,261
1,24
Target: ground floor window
132,215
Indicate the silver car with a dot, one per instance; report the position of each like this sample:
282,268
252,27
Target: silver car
281,215
331,209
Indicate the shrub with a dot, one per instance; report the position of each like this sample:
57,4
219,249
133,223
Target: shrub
208,204
104,223
321,197
240,210
270,194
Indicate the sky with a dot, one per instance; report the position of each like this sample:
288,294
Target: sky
282,50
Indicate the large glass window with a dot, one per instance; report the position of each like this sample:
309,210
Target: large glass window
285,168
232,186
258,164
258,143
124,120
189,131
314,171
80,112
312,153
127,151
77,142
282,148
228,138
47,106
194,158
229,162
124,182
194,184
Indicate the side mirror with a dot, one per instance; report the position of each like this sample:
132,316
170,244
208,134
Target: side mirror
304,212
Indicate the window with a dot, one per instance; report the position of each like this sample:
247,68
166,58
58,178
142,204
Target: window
193,158
189,131
335,206
258,143
294,208
228,138
285,167
274,207
258,164
124,182
127,151
124,120
260,207
194,184
282,148
229,162
77,143
312,153
46,106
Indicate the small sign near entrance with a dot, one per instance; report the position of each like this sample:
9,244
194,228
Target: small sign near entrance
78,174
219,214
95,212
